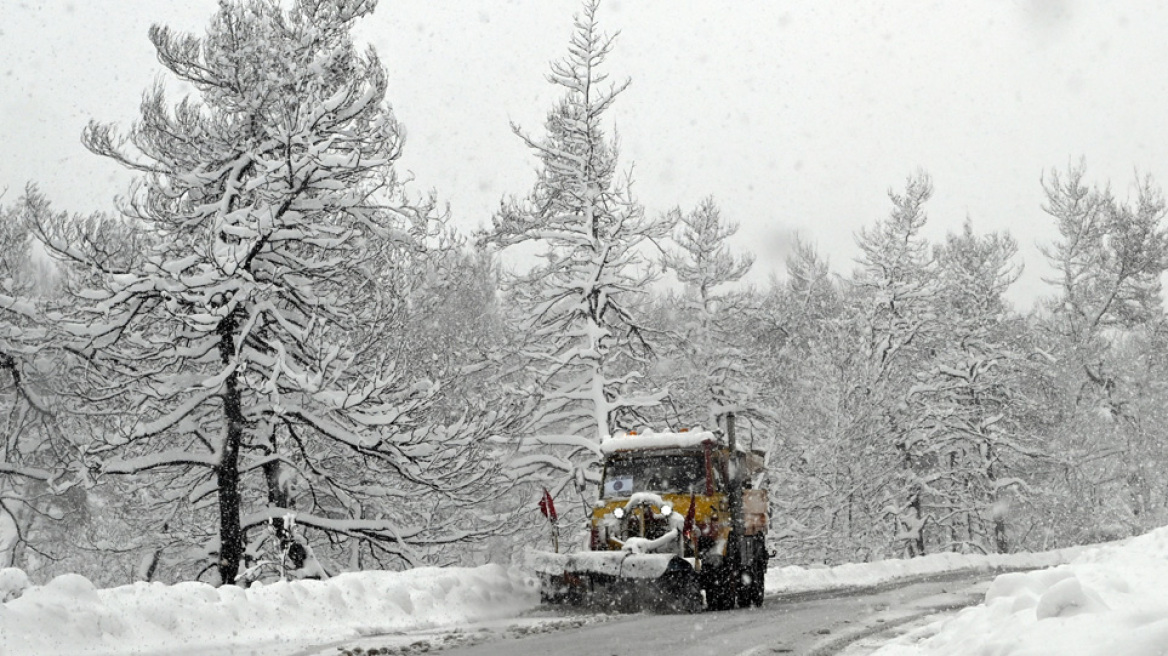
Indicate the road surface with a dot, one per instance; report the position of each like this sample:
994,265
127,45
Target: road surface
814,624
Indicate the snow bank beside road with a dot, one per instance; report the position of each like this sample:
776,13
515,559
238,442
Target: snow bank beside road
68,616
861,575
1110,600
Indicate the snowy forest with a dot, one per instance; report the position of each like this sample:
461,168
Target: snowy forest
278,358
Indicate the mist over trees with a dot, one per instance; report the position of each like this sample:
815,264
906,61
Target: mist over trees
277,359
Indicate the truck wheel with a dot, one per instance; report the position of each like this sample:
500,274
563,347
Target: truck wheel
760,583
753,587
722,593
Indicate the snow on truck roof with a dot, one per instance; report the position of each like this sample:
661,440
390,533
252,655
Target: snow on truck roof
651,440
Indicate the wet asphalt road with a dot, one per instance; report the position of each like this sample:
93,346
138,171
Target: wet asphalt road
794,624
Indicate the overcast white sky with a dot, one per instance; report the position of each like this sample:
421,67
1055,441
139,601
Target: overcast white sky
797,115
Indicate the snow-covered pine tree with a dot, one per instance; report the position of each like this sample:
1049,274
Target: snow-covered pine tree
1109,256
585,351
894,290
710,320
1108,262
241,310
810,289
976,396
805,344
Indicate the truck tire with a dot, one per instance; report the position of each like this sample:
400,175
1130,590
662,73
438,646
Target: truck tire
760,583
723,585
753,585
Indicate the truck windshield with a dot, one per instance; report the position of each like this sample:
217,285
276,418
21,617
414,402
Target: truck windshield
668,474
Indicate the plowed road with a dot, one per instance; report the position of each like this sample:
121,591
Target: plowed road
817,624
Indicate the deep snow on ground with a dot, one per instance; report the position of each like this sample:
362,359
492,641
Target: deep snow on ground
1109,601
68,616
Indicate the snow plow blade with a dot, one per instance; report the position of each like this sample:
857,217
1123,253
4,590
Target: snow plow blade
618,580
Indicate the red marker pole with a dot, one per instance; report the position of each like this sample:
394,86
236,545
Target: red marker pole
548,508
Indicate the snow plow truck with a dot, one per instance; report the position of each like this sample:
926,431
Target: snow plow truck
677,526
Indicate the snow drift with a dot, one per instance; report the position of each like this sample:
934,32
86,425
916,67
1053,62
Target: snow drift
69,616
1110,600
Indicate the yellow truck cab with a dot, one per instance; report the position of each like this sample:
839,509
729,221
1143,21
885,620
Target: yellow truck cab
663,526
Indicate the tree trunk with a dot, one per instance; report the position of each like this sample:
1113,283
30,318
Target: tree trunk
227,472
918,541
278,498
1001,543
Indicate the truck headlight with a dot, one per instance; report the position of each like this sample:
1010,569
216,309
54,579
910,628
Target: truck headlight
667,510
619,513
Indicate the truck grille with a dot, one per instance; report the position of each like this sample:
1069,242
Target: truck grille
654,528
